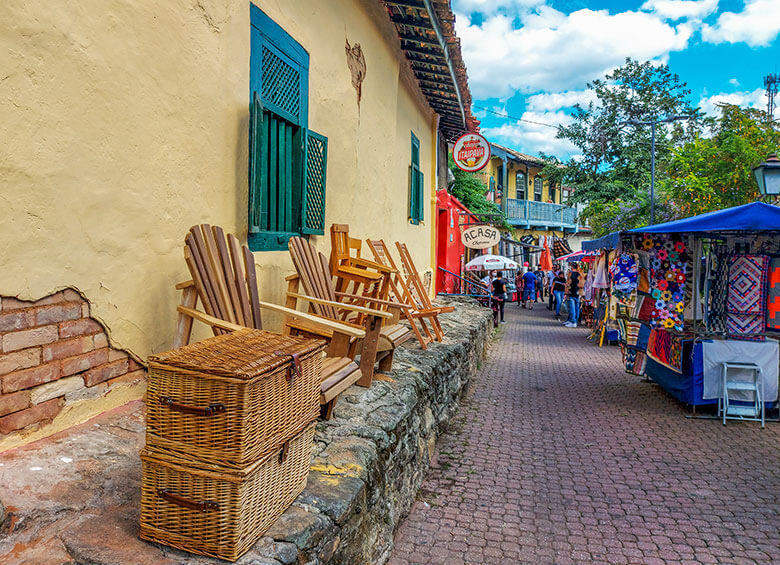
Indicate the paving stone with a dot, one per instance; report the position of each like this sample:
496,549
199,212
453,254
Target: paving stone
558,456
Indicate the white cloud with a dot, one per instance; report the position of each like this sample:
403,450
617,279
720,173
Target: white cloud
754,99
555,51
468,6
550,101
757,25
733,82
533,138
681,9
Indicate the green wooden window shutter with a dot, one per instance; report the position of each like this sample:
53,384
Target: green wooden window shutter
416,186
256,176
315,173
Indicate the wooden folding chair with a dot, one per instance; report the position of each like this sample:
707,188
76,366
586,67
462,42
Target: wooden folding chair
400,292
366,278
417,288
225,281
313,283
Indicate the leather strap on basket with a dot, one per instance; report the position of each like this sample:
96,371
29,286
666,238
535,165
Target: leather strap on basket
203,506
209,410
295,370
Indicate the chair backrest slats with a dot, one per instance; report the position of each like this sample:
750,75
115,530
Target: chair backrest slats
412,277
312,268
224,275
398,286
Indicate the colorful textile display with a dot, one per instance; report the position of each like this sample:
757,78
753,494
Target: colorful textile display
773,295
668,263
746,300
643,282
643,309
624,271
718,285
665,348
600,278
629,331
635,361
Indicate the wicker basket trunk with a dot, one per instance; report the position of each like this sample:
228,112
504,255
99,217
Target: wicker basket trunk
217,511
231,399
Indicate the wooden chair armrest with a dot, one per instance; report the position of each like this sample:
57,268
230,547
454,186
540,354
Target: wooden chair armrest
359,309
317,320
186,284
372,264
209,320
292,277
374,300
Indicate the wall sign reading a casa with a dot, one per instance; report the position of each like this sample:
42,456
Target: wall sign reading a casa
480,237
471,152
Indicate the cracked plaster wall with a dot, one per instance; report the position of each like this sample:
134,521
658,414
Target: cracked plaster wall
125,122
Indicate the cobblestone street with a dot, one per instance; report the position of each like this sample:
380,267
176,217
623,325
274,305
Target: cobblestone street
558,456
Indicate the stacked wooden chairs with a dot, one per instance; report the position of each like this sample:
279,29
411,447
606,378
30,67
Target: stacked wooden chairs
314,284
224,280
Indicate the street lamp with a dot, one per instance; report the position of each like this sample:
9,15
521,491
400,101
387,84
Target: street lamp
768,176
652,124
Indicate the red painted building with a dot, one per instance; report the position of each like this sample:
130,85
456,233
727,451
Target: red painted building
449,248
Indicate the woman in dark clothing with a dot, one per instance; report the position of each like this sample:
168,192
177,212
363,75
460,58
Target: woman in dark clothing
499,297
558,288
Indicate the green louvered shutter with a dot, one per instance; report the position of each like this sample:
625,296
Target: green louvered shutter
415,184
420,196
313,193
257,215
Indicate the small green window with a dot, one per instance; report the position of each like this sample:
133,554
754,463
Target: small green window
538,189
416,185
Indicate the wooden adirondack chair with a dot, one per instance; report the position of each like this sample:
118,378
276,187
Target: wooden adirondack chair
313,283
417,288
225,281
367,278
412,310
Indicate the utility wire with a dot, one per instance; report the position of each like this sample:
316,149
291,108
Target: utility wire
505,115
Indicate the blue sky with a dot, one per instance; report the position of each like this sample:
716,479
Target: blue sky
531,59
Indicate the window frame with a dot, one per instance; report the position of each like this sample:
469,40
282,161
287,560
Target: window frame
416,184
520,187
538,183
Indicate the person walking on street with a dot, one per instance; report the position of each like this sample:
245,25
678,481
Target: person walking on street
573,291
499,297
558,288
529,289
519,287
539,285
549,276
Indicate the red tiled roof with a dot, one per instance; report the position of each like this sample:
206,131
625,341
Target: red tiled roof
426,29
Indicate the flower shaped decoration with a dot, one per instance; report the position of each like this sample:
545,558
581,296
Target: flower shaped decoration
681,278
647,243
656,264
666,296
660,304
662,254
668,323
666,265
679,247
680,307
674,256
656,293
668,245
676,296
663,285
670,276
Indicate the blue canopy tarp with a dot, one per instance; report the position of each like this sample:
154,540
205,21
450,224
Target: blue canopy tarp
609,241
755,216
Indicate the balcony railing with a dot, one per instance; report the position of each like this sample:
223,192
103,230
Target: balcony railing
532,213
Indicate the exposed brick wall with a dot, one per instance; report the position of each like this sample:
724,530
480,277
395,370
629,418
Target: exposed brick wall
52,354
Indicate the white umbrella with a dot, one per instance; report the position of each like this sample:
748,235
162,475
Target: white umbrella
491,263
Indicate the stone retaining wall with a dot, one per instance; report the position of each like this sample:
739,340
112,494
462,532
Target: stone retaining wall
371,457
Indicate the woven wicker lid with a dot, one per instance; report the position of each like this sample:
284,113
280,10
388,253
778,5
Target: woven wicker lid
243,354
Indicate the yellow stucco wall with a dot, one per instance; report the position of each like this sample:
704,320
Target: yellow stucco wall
125,122
514,167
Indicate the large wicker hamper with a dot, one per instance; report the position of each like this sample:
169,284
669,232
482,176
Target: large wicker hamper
231,399
216,511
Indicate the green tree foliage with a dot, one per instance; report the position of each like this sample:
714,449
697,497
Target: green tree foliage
612,175
711,173
470,190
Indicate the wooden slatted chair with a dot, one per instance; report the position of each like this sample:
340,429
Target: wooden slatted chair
399,291
365,277
225,281
417,288
313,283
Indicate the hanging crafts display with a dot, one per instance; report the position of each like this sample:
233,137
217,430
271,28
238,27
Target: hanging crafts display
669,275
624,271
746,303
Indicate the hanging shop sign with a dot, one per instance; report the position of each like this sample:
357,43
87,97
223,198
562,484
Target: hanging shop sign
471,152
480,237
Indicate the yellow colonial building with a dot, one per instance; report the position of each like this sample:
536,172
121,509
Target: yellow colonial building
124,124
534,207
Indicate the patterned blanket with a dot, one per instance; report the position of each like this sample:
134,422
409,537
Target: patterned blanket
643,309
746,302
635,361
773,295
665,348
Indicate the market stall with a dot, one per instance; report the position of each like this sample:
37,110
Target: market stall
697,303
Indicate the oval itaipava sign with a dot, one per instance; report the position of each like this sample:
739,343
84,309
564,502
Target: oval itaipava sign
480,237
471,152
